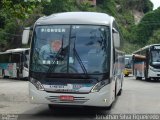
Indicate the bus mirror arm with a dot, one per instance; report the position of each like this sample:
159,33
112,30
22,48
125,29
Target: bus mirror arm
28,28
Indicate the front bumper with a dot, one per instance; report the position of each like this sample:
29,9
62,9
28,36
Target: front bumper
153,73
103,98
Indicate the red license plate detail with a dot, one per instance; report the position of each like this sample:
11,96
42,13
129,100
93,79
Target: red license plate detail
66,98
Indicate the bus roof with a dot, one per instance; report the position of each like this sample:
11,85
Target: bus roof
146,47
93,18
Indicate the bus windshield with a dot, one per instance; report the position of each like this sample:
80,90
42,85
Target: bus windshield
155,57
71,49
128,61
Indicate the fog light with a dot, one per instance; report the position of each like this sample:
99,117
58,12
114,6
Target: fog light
105,100
32,98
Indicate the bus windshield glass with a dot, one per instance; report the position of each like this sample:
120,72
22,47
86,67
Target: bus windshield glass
70,49
128,61
155,55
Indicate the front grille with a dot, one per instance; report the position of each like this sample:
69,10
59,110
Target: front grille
79,100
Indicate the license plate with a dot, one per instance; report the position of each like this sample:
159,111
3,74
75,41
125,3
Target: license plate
66,98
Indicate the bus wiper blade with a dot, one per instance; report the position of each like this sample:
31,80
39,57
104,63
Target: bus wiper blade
80,61
78,57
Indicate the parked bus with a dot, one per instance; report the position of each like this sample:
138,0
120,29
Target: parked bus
146,62
14,63
128,65
75,60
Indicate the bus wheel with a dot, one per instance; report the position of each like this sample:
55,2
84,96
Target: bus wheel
115,94
109,107
18,77
105,108
3,74
126,75
138,78
147,79
50,106
120,92
99,108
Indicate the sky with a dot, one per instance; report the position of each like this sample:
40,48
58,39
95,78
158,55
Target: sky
156,3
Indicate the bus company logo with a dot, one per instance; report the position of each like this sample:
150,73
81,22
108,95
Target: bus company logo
58,30
156,47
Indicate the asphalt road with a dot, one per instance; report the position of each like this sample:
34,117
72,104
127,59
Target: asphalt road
138,96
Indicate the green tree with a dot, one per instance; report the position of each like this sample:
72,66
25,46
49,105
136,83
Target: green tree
155,39
56,6
16,15
149,23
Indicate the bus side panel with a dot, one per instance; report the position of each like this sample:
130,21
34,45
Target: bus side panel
14,69
4,67
25,72
120,74
9,69
139,68
118,70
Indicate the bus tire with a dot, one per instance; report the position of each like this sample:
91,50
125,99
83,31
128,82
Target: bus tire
18,75
103,108
120,92
50,106
3,74
107,108
138,78
146,79
126,75
115,94
146,75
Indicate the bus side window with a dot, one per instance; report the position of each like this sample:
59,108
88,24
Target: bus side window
26,58
114,52
25,61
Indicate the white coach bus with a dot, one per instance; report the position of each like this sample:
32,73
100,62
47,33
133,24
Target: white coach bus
75,59
14,63
146,62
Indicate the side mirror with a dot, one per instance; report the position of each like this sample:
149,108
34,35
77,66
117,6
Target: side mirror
25,36
116,38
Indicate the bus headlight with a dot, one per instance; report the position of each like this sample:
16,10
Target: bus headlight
99,85
37,84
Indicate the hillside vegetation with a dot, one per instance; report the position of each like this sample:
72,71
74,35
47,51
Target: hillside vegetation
136,32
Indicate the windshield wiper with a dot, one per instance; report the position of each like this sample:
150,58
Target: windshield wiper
80,61
78,58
